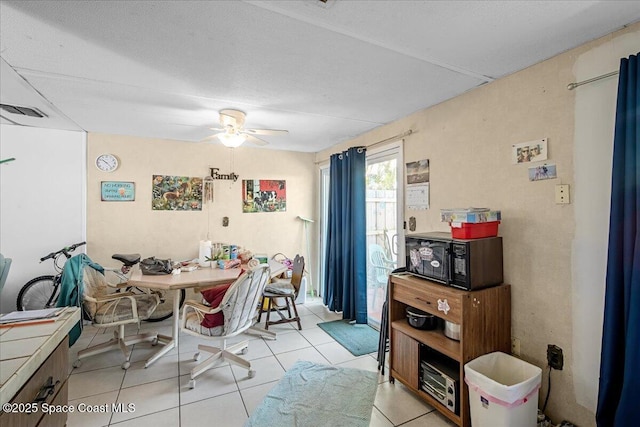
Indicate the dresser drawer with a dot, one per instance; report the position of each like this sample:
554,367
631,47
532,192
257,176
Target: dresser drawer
57,419
55,367
444,302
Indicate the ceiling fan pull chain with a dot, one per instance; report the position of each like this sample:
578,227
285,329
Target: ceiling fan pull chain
231,163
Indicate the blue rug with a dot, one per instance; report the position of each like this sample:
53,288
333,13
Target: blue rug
314,395
357,338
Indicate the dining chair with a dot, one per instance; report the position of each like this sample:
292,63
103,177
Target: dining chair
381,268
106,308
287,290
239,308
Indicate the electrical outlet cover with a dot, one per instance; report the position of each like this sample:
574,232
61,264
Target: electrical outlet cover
555,357
562,194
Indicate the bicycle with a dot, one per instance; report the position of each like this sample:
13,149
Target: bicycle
42,292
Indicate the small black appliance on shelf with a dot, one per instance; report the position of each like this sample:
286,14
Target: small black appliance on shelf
465,264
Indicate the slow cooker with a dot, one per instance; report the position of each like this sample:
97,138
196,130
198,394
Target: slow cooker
420,319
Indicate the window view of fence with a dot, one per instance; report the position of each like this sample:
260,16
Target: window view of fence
381,201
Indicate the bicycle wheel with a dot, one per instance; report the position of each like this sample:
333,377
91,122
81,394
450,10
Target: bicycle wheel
164,310
39,293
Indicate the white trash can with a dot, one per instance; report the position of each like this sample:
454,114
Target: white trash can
503,391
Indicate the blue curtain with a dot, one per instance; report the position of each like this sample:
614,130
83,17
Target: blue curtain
346,276
619,392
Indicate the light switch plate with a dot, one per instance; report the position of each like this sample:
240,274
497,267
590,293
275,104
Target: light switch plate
562,194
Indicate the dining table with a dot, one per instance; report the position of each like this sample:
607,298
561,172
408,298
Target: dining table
201,278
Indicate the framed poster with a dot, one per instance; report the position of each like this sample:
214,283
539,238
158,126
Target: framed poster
264,195
117,191
176,193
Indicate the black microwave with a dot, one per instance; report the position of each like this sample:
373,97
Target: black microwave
464,264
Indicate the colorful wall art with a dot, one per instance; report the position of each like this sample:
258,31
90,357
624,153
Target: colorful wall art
176,193
264,195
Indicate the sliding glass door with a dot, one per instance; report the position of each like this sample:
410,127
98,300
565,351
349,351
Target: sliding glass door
385,240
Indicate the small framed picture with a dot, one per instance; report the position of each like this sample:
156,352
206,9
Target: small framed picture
538,173
531,151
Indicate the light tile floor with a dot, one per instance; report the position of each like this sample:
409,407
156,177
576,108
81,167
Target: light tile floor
223,396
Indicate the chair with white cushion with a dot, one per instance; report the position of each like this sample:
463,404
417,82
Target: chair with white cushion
239,308
108,309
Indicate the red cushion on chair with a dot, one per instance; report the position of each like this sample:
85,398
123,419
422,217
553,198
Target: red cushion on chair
214,297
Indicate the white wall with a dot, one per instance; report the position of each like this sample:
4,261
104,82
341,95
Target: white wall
42,200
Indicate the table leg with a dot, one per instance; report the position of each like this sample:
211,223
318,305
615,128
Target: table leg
173,342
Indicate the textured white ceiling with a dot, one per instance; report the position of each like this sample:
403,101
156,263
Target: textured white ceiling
327,73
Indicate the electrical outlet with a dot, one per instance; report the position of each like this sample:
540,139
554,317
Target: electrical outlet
555,357
515,346
562,194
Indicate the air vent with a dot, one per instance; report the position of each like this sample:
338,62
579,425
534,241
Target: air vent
23,111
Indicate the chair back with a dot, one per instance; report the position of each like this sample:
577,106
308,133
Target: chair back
298,271
382,265
5,264
241,299
94,286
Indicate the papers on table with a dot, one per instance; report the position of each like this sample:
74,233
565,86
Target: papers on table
32,316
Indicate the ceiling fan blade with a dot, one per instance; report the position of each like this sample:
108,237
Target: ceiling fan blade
266,131
255,140
209,138
218,129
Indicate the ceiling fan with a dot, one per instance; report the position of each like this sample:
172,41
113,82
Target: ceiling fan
232,132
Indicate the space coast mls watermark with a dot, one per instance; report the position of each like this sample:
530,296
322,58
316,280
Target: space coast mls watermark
47,408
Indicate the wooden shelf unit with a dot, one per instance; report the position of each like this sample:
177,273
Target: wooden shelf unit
484,317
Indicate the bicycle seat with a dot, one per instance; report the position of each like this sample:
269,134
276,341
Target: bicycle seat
127,259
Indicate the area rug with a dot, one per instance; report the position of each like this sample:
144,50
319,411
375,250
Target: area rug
314,395
358,339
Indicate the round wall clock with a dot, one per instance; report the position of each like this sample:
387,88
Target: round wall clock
107,162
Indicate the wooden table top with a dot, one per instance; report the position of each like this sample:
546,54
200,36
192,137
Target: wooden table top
202,277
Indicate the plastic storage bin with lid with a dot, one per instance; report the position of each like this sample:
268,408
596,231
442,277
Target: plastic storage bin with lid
472,223
503,391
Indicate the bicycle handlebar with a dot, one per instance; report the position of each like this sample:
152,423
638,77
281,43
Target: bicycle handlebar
64,251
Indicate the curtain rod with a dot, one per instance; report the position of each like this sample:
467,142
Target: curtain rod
391,138
572,86
398,136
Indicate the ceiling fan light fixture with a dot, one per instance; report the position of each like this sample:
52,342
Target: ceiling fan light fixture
232,140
